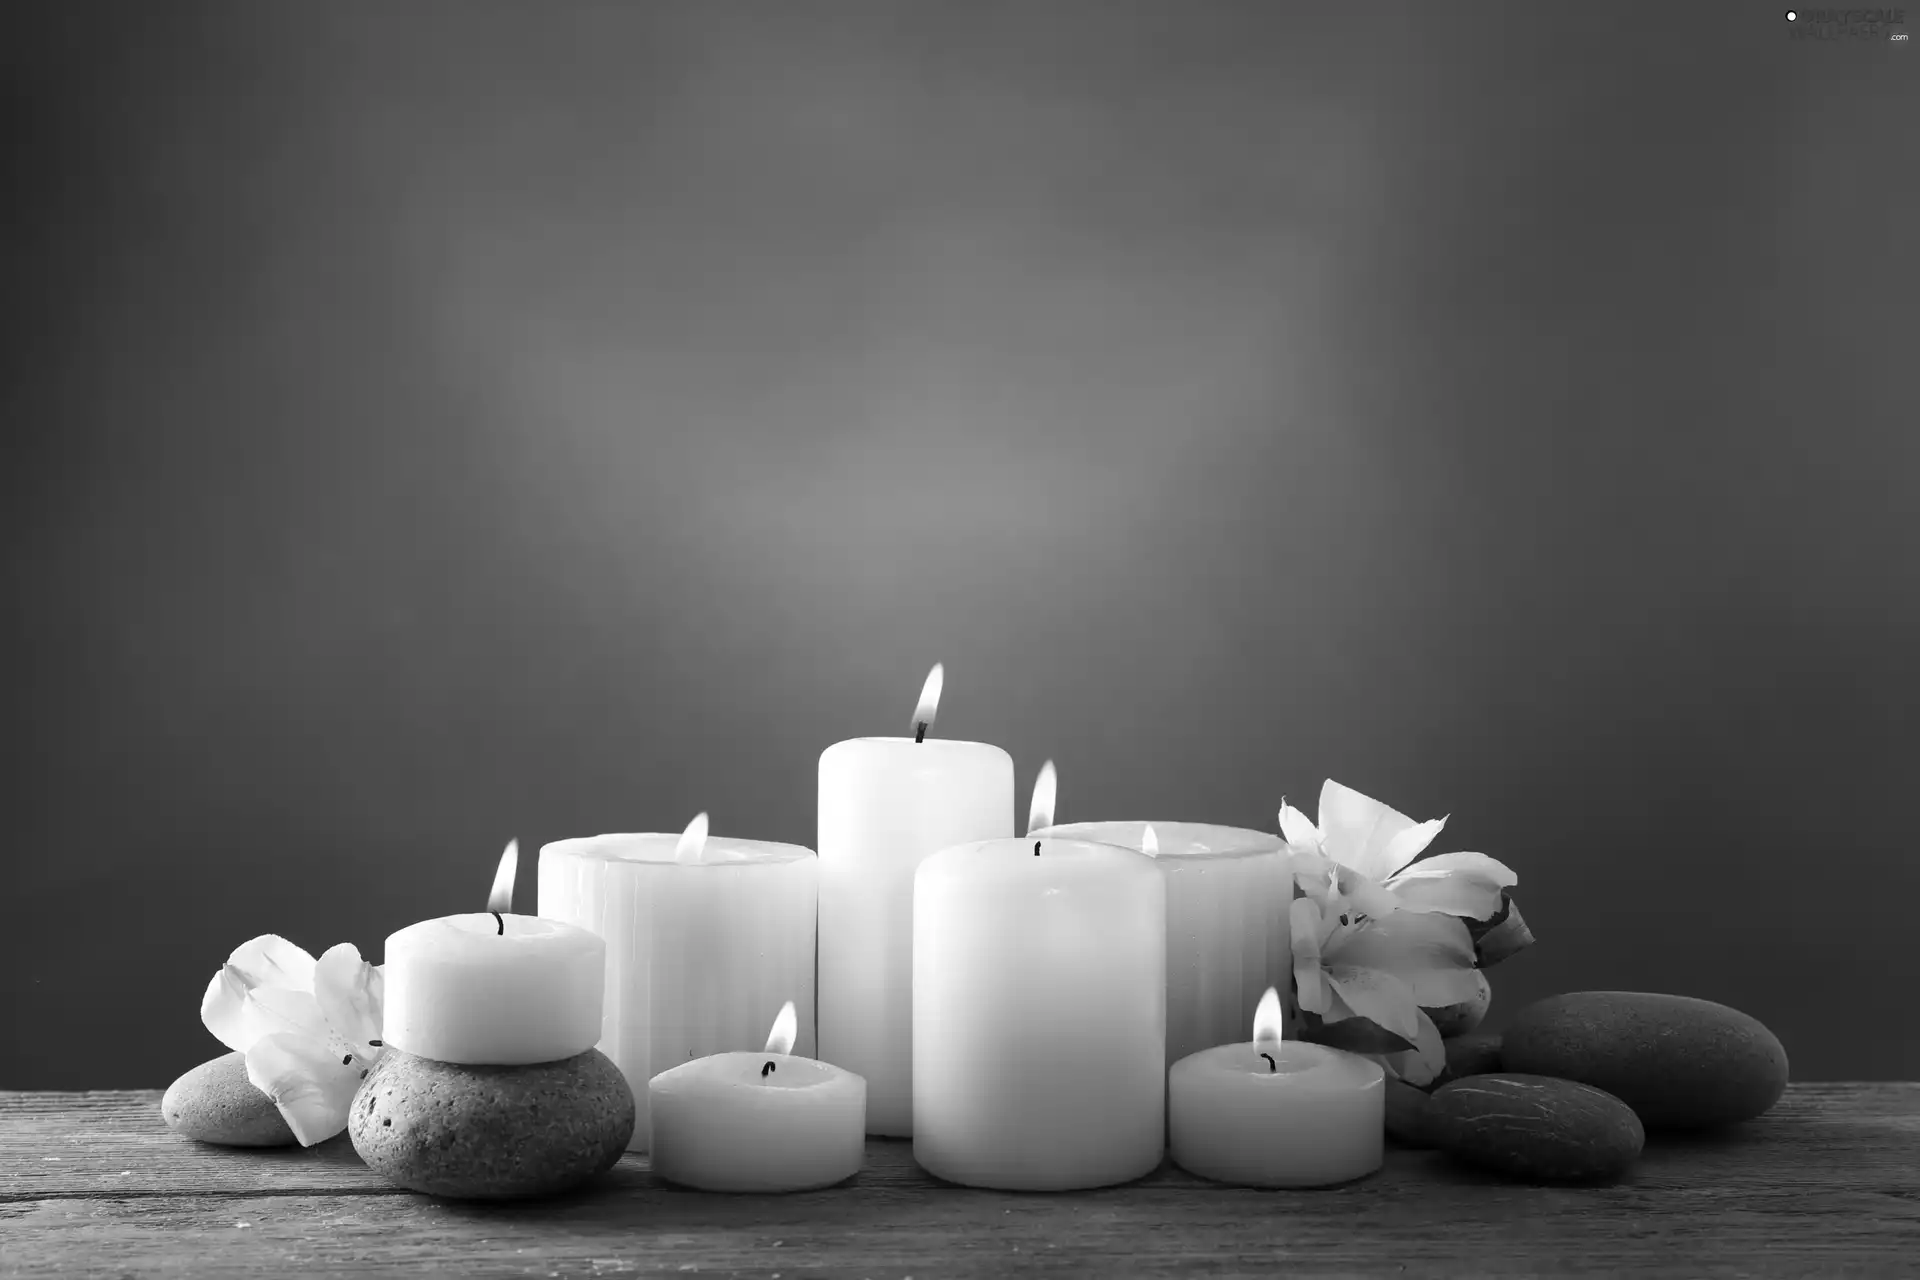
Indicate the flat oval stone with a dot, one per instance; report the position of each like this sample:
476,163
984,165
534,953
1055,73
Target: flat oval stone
1680,1063
215,1102
1536,1128
1408,1109
1475,1054
491,1133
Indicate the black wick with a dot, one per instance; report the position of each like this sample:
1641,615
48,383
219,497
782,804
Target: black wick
1036,848
1271,1066
503,925
764,1070
920,732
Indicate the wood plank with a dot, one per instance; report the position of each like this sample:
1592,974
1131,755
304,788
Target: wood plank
1827,1184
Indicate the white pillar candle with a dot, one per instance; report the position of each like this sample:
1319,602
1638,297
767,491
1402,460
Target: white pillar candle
885,804
492,987
1229,893
1276,1113
764,1121
1039,1014
703,937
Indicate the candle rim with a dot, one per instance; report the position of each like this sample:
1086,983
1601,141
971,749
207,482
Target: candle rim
660,847
682,1077
1238,1059
1078,830
944,744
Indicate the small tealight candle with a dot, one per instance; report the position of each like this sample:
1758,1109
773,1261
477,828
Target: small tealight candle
758,1121
493,988
1276,1113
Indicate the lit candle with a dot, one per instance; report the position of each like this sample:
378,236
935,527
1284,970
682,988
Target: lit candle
704,935
758,1121
494,988
1039,1014
1276,1113
1228,894
885,804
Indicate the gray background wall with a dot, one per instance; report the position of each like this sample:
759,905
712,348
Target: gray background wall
433,423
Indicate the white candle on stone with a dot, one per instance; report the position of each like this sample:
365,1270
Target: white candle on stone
764,1121
1276,1113
703,936
885,804
1039,1014
493,988
1229,892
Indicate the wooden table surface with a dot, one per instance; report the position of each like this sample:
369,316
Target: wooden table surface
1827,1184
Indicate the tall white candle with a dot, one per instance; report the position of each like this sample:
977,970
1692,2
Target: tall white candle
492,987
765,1121
703,937
885,804
1229,892
1276,1113
1039,1014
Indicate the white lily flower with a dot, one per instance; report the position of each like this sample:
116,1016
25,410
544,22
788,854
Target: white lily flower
1364,851
310,1028
1382,969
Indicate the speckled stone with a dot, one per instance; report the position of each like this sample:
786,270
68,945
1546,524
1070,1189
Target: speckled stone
491,1133
1679,1062
215,1102
1535,1128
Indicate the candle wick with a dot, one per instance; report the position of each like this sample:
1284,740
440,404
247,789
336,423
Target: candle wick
764,1070
1271,1065
1036,848
920,732
503,925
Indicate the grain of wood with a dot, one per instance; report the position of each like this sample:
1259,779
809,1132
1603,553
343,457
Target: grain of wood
1827,1184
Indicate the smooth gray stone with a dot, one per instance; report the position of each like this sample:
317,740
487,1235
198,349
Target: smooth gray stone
215,1102
491,1133
1679,1062
1535,1128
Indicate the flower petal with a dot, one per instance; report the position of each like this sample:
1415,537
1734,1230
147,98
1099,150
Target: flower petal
266,961
238,1015
1432,954
1368,897
1357,831
1296,830
1457,894
307,1081
1380,996
271,961
1410,844
1310,990
1424,1062
350,993
1504,935
1478,865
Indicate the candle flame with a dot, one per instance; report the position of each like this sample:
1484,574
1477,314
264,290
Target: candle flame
1150,843
693,841
929,706
1267,1019
501,899
785,1028
1045,788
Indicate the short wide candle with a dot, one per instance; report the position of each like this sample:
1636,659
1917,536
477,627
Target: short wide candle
1228,938
758,1122
697,951
1277,1113
501,990
1039,1014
